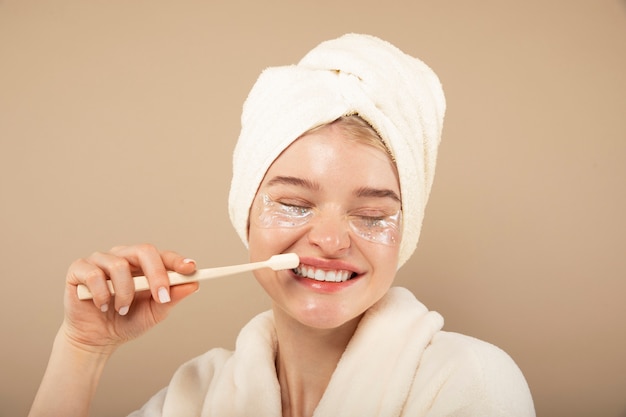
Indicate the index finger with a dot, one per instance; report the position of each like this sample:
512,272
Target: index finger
154,264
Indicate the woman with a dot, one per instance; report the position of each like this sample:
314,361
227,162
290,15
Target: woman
334,162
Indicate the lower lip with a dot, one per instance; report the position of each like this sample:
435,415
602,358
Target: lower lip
325,286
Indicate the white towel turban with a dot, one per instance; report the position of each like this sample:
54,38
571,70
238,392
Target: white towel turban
400,96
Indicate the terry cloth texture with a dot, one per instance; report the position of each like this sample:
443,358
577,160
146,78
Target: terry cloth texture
400,96
399,363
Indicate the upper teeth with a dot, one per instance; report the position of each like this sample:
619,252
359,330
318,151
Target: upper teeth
322,275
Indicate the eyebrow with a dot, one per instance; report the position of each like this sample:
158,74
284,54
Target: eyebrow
378,193
363,192
300,182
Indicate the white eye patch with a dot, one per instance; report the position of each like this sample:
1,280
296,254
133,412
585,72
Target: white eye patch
386,230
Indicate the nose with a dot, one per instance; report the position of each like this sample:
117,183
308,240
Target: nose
330,234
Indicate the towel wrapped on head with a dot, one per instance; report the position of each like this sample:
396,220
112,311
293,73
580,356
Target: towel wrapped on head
399,95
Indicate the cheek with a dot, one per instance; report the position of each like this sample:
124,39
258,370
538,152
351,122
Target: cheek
383,258
266,242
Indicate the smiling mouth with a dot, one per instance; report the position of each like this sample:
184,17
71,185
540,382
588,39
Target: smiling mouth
322,274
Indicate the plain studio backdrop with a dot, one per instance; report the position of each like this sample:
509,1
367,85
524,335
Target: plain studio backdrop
117,123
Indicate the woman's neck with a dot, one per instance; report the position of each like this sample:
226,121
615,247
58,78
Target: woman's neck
306,360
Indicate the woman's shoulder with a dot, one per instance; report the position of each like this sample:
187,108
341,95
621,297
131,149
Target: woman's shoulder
449,347
486,361
197,374
456,345
205,364
476,374
185,393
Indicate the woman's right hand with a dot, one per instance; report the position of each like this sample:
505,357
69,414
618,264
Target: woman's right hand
102,324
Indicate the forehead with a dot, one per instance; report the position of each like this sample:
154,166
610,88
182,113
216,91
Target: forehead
332,157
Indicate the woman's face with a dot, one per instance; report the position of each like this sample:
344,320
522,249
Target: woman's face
334,202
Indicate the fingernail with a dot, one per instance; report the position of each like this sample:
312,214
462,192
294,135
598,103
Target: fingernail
188,261
164,295
123,310
104,307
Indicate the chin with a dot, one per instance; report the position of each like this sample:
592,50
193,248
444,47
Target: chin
326,317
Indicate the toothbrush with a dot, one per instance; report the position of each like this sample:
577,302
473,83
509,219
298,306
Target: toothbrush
276,262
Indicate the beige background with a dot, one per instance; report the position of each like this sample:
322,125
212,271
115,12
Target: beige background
118,118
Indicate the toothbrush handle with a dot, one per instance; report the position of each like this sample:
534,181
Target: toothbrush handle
141,282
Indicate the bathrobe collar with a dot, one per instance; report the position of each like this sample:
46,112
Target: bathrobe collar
373,377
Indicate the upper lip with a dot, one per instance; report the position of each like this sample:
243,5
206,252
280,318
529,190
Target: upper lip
329,264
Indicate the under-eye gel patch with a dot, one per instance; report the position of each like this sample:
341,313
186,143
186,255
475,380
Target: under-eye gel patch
385,230
273,214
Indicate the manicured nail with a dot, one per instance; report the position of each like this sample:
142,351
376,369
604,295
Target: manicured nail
164,296
188,261
104,307
123,311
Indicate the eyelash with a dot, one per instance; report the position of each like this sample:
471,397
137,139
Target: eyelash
294,209
302,210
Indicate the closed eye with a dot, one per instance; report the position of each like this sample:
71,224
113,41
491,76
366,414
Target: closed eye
294,209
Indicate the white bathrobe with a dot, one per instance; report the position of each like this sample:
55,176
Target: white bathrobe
398,363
